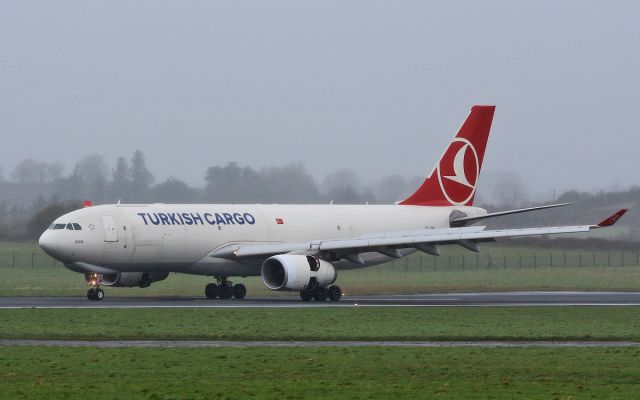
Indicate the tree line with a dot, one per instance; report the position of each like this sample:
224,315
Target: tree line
35,193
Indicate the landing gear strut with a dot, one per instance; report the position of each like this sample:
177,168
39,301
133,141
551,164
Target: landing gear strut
321,293
225,289
95,293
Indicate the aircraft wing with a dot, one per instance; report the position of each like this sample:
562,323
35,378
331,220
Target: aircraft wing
389,242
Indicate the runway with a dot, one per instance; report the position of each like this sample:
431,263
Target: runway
504,299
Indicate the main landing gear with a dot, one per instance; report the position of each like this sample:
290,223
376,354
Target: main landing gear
321,293
225,289
95,293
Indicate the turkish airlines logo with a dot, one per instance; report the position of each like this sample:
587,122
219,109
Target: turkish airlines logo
458,171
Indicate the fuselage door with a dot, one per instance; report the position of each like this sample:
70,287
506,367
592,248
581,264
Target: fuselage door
110,231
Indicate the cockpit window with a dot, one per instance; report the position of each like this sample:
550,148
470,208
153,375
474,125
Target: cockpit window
77,226
70,227
59,226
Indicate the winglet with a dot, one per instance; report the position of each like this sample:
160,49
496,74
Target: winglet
612,219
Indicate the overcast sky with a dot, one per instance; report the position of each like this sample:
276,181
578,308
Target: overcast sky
375,86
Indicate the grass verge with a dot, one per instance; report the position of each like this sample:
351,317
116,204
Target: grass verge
356,323
26,271
319,373
377,280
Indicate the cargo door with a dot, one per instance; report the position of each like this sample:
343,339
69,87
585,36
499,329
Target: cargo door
110,231
147,241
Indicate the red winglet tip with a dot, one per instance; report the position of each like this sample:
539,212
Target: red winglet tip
87,203
612,219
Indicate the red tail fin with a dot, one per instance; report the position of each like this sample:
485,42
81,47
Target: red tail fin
453,181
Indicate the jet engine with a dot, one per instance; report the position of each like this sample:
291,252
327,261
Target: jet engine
296,272
131,279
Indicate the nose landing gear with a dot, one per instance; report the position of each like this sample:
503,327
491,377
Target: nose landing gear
225,289
95,293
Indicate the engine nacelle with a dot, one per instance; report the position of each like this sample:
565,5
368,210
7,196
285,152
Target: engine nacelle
131,279
296,272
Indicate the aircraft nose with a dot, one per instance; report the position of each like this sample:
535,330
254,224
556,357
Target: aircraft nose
48,243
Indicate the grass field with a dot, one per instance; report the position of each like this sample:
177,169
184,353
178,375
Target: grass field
332,373
354,323
322,372
26,271
319,373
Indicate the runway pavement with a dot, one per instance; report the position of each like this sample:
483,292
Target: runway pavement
418,300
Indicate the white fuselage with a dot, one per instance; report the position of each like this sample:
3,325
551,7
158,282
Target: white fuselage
181,237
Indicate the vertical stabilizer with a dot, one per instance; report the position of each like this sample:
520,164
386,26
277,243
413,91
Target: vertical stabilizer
454,179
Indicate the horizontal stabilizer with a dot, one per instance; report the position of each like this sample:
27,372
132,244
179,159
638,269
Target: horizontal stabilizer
462,221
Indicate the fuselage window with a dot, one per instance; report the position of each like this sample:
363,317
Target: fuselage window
70,227
59,226
77,226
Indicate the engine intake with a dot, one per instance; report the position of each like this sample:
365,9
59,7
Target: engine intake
131,279
296,272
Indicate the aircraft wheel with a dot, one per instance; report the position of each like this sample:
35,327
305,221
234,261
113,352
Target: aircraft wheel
99,294
239,291
335,293
321,294
306,295
211,291
225,292
91,294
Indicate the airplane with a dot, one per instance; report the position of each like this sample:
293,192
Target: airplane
292,247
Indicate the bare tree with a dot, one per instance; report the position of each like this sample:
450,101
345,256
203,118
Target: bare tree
92,168
54,170
288,184
173,191
510,192
120,179
141,178
230,183
391,188
30,171
343,186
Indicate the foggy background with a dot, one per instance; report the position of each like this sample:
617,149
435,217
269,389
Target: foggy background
289,101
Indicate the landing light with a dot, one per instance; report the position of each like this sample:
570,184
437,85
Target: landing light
93,280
